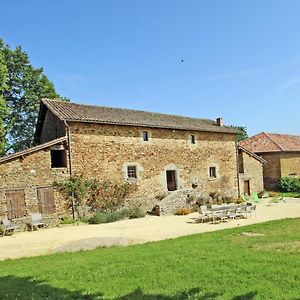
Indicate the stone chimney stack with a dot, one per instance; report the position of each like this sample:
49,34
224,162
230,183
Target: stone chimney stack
220,121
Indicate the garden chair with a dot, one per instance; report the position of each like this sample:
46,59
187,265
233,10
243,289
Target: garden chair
255,198
37,221
7,226
252,210
231,214
204,214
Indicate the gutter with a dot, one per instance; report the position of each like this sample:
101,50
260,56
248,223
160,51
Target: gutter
237,166
71,167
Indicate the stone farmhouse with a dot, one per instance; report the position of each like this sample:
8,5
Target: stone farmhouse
159,153
282,153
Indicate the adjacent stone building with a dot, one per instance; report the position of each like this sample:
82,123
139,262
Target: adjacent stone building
250,171
282,153
159,153
26,182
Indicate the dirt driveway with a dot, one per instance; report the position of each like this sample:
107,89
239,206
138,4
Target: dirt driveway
150,228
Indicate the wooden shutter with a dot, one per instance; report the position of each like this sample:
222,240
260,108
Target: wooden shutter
46,200
15,204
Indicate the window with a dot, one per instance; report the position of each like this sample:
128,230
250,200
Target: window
46,200
241,161
131,172
171,180
193,140
145,136
15,204
212,172
58,159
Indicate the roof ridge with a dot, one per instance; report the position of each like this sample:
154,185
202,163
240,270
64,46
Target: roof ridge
127,109
267,134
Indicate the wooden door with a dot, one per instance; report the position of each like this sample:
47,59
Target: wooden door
46,200
247,187
171,180
15,204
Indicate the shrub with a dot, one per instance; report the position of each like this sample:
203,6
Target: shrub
135,213
113,216
183,211
106,217
273,194
289,184
227,199
107,196
97,195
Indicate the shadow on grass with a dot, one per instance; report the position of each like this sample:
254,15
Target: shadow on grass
19,288
193,294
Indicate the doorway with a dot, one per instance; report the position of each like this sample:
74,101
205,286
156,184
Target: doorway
247,187
171,180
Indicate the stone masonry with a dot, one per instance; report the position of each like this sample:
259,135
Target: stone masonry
102,151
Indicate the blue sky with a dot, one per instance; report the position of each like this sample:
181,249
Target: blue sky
241,59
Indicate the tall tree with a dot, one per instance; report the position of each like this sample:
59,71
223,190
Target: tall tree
25,86
242,135
3,106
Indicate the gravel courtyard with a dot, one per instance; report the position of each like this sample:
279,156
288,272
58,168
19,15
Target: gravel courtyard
127,232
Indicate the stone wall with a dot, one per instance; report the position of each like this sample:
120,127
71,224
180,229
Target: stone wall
30,173
253,171
53,128
271,171
290,164
105,151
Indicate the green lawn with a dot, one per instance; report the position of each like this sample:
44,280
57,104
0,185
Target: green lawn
290,194
219,265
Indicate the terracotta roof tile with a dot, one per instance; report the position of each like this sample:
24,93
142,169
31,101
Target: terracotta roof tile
106,115
272,142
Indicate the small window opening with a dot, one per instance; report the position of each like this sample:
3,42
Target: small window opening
131,172
145,136
212,172
171,180
193,141
58,159
241,162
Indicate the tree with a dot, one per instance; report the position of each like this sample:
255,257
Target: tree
3,106
24,87
242,135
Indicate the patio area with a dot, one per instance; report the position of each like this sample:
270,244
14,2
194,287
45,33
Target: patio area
127,232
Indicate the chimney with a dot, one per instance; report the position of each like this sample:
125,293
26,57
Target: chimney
220,122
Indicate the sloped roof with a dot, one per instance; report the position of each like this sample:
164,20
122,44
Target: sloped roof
73,112
272,142
252,154
32,149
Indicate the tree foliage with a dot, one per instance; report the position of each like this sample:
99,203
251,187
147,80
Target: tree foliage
4,112
97,195
242,135
21,88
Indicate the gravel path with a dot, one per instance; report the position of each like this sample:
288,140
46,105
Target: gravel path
127,232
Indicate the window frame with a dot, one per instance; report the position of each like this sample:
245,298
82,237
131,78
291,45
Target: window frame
63,160
193,139
145,135
212,171
131,172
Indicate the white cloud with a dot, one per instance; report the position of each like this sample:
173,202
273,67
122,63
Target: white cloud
289,83
230,75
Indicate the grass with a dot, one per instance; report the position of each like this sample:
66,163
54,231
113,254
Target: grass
290,194
264,264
